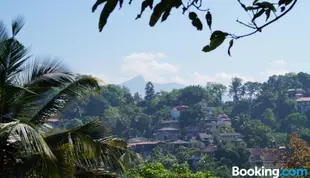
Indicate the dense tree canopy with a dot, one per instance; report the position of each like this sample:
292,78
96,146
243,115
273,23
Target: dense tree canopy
265,113
262,14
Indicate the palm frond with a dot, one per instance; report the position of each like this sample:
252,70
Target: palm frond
115,155
17,25
47,73
84,151
80,138
28,138
3,32
13,55
57,99
36,166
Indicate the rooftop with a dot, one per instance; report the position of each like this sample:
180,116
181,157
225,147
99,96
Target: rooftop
222,116
137,139
209,149
266,155
143,143
204,135
179,142
230,134
52,119
180,107
303,99
167,129
169,121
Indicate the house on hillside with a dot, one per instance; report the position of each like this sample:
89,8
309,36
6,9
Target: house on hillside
303,104
205,138
172,146
169,123
211,127
167,133
143,148
291,93
191,144
209,150
223,119
176,111
231,137
137,140
192,131
266,157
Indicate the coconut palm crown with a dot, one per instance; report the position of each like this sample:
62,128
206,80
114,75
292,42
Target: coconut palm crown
31,91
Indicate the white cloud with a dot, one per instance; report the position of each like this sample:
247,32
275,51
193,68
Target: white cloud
149,66
154,67
277,67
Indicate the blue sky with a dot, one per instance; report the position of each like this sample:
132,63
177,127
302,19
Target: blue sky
169,52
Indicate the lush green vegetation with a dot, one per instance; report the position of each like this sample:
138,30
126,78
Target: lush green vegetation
262,14
265,113
34,90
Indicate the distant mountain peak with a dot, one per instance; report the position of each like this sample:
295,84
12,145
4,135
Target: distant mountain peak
138,77
137,84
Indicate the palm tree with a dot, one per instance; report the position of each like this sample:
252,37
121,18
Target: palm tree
31,91
235,88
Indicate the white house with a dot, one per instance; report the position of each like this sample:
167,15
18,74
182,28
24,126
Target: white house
303,104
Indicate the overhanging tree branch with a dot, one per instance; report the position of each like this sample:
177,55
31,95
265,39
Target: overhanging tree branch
161,10
259,29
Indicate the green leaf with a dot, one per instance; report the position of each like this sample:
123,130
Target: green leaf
267,5
197,23
285,2
97,4
217,38
282,8
231,43
267,14
177,3
192,15
209,19
159,9
121,2
218,33
166,14
17,25
258,14
254,2
144,5
105,13
184,9
242,5
251,8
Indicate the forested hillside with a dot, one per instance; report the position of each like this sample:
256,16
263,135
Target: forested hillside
260,111
265,114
